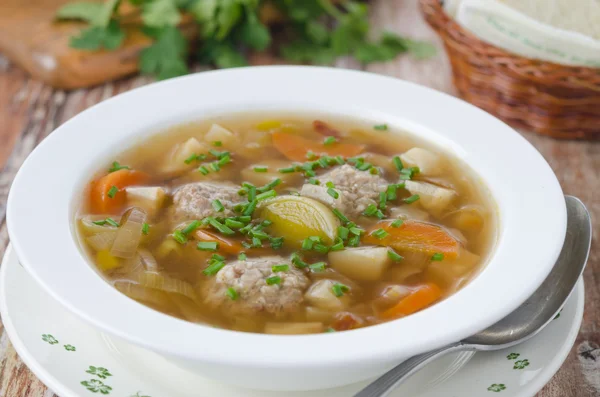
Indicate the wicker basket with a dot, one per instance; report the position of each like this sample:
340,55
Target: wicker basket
555,100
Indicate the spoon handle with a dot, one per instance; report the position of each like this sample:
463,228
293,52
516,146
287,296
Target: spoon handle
387,382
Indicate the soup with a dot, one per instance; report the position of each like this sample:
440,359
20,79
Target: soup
286,225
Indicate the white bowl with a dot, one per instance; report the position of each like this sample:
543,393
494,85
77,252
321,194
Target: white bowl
46,193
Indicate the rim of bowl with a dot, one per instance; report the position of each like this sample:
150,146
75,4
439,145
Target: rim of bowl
530,203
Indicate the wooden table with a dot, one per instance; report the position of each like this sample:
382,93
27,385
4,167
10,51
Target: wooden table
29,111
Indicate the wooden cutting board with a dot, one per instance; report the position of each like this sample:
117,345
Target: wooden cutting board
32,38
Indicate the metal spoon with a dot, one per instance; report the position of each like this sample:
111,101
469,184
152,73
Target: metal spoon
523,323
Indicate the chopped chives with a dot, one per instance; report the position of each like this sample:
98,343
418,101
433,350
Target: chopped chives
217,143
330,184
438,256
145,228
317,267
340,216
342,232
297,261
116,167
232,293
250,207
315,239
218,206
220,227
191,227
112,222
251,193
224,160
179,237
112,191
397,223
266,223
323,162
280,268
398,163
310,173
333,193
329,329
261,169
269,185
374,171
393,255
320,248
337,247
256,242
411,199
233,223
287,170
213,268
370,210
380,127
364,166
380,234
266,195
100,222
259,234
354,241
382,200
217,257
307,244
379,214
356,231
339,289
215,166
330,140
207,246
339,160
242,257
203,170
314,181
189,160
310,155
276,242
391,192
273,280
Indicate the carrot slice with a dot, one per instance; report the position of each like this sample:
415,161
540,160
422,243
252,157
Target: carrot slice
295,147
228,246
416,237
103,197
419,299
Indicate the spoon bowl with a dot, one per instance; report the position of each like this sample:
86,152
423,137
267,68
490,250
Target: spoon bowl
527,320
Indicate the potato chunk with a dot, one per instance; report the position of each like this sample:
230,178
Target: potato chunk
321,295
433,198
149,198
429,163
361,263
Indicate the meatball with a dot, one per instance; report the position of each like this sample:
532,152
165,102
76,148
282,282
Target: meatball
357,189
194,200
248,278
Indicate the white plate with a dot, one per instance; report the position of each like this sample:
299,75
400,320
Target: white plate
62,351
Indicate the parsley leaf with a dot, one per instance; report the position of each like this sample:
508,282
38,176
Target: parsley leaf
222,54
104,17
85,11
302,51
229,14
166,57
254,33
97,37
159,13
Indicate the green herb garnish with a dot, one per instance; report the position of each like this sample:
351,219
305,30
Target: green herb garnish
411,199
339,289
232,293
273,280
116,167
380,234
280,268
381,127
179,237
218,206
145,228
112,191
330,140
207,246
393,255
438,256
191,227
397,223
261,169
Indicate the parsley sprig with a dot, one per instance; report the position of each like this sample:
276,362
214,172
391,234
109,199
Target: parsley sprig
313,31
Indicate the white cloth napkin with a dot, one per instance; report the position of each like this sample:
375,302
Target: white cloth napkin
507,28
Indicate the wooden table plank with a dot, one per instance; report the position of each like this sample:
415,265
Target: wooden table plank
30,110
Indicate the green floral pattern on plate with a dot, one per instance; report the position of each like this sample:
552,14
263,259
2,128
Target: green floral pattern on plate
50,339
497,387
95,386
70,348
521,364
100,372
513,356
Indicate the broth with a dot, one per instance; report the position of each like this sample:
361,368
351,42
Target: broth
286,224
